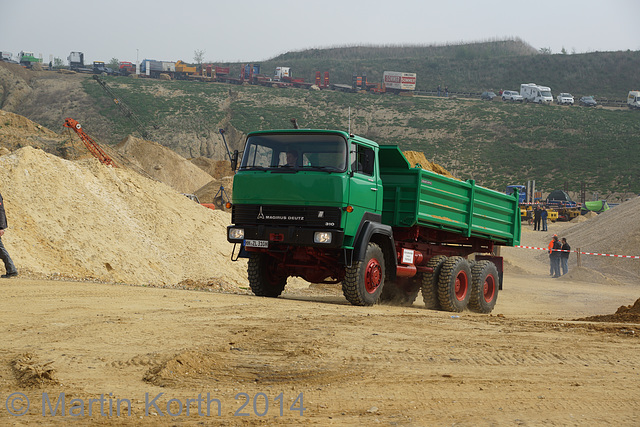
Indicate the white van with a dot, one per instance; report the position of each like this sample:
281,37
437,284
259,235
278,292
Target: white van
531,92
633,99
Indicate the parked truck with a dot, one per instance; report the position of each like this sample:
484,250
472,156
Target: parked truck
76,60
633,99
332,207
531,92
28,59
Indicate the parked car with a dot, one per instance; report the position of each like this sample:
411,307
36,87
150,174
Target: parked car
488,96
511,95
565,99
588,101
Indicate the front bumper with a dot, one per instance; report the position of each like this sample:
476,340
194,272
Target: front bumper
260,235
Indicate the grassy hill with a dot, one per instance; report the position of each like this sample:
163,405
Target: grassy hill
494,143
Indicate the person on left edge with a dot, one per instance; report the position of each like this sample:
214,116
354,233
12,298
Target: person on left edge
4,255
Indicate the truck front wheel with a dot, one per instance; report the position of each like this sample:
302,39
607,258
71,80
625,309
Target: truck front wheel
363,281
484,287
454,284
264,278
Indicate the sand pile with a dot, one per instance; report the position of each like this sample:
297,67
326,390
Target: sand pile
216,168
163,164
616,231
417,158
17,131
624,314
81,219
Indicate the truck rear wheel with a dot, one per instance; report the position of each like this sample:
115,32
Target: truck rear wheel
484,287
364,280
264,278
430,283
454,284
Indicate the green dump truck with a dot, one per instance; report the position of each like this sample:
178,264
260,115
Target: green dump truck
332,207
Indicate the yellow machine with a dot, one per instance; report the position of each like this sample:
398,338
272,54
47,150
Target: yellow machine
182,67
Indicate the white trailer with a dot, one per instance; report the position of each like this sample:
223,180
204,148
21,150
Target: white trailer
397,81
531,92
633,99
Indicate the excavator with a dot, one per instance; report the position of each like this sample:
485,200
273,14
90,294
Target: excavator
93,147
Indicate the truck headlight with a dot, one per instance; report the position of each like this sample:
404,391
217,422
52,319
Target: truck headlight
236,233
322,237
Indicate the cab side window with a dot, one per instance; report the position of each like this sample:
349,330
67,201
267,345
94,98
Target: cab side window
362,160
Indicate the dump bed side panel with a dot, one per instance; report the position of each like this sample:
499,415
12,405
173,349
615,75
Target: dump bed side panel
415,196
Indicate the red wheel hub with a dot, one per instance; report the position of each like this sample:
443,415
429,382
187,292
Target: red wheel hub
489,288
462,286
372,276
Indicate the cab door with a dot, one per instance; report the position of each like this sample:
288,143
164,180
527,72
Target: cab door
364,187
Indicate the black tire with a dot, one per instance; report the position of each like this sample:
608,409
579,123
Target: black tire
364,281
485,282
430,283
264,278
454,284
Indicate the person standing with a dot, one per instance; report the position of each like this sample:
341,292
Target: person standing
564,256
4,255
536,218
554,256
543,216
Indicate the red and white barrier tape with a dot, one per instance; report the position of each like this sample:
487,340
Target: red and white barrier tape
583,253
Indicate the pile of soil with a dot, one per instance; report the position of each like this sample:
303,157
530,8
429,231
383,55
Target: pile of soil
216,168
163,164
418,159
17,131
615,231
87,221
624,314
30,373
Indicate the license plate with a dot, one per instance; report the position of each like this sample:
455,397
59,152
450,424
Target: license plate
256,243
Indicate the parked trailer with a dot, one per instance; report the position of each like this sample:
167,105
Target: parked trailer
397,81
349,210
153,68
633,99
531,92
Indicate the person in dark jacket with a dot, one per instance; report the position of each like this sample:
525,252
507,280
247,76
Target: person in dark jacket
564,256
543,216
536,218
4,255
554,256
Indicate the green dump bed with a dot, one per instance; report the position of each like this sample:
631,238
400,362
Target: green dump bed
417,196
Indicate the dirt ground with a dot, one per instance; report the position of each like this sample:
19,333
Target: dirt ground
315,359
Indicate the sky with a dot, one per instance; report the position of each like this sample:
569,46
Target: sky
253,31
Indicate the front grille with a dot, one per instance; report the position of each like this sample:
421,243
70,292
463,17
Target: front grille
303,216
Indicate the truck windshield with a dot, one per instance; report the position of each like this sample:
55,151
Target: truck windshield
287,152
546,93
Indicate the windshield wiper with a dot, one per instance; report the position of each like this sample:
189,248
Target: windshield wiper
253,168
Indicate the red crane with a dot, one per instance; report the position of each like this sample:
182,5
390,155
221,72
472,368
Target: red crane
91,145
